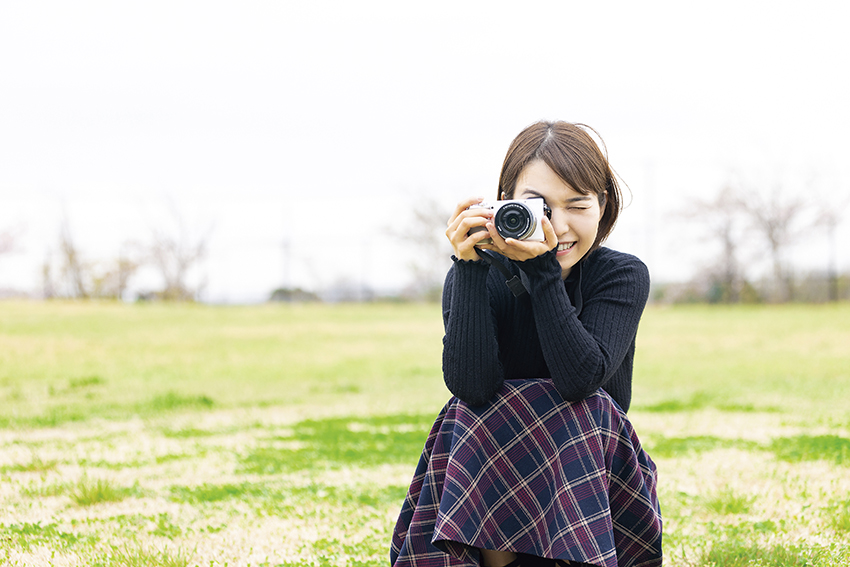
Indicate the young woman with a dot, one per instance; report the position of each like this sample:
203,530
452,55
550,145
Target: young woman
533,461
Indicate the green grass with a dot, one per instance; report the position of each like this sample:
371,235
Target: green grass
91,491
63,361
184,435
799,448
810,448
27,535
342,442
727,502
142,556
789,358
36,464
670,447
741,553
838,516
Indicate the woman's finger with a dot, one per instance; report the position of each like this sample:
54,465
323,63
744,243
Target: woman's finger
520,250
463,206
465,222
549,233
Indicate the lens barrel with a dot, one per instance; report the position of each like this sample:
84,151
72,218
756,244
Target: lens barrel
514,220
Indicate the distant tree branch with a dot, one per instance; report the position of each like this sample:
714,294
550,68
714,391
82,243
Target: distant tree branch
723,221
7,242
424,236
778,220
73,270
76,277
174,254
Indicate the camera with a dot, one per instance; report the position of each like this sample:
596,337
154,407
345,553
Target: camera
517,219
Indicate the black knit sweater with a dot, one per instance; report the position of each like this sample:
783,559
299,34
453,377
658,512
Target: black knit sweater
492,336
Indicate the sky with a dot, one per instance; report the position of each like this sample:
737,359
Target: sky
297,139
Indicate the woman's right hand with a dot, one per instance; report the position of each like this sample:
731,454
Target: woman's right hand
461,222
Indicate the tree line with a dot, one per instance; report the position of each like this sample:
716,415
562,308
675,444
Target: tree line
756,233
169,255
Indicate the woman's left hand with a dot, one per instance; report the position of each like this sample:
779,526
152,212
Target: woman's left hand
521,250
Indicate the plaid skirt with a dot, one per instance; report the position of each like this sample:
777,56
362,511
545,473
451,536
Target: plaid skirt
533,474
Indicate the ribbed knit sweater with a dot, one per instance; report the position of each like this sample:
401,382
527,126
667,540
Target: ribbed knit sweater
491,336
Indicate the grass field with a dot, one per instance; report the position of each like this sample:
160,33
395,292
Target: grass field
180,435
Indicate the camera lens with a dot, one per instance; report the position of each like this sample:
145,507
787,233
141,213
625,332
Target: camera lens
513,220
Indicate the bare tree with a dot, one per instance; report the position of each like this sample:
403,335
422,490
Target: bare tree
174,254
81,278
68,276
724,221
429,251
780,219
48,284
767,220
73,271
111,278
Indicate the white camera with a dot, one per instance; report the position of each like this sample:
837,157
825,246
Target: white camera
517,219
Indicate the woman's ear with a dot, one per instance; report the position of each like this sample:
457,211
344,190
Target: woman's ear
603,199
503,197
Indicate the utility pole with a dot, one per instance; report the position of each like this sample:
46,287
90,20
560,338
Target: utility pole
287,263
832,268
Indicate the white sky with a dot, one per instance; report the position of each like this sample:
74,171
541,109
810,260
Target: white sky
319,122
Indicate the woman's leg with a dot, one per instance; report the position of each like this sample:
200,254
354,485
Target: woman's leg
491,558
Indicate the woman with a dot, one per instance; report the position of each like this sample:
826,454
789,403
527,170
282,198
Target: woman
533,461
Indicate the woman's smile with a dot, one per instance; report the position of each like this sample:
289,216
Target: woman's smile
564,248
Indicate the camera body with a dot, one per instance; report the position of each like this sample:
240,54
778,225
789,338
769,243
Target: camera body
518,219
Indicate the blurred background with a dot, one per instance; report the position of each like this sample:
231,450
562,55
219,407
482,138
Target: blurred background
235,152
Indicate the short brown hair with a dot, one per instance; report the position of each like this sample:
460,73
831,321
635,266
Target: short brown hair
570,151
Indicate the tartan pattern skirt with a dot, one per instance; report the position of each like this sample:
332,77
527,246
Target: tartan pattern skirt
530,473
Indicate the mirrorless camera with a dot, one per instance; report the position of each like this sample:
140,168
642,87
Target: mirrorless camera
517,219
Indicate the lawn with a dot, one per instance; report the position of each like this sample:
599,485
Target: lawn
182,435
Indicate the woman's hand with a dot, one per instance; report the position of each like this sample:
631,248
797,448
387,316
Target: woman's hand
461,222
521,250
465,244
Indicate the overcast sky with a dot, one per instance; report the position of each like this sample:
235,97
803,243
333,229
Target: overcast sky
321,123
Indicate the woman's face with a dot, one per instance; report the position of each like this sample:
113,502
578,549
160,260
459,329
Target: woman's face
575,217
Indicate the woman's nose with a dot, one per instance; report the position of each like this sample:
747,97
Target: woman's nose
560,222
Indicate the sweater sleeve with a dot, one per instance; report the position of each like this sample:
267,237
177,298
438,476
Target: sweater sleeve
583,355
471,367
